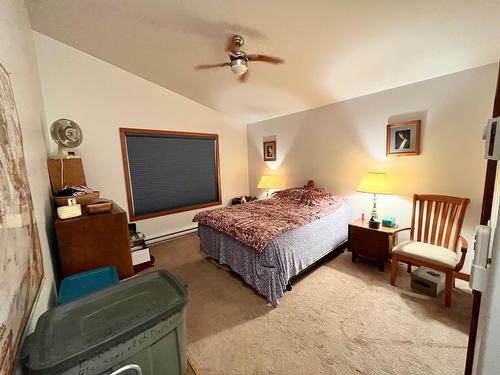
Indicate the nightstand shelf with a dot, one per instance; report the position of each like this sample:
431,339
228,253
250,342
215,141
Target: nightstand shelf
374,244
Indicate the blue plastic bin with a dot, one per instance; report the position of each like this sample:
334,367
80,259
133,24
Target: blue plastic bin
81,284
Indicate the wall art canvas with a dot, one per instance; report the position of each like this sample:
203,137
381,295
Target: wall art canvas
20,255
403,138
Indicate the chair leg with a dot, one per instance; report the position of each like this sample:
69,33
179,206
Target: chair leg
448,288
408,268
394,269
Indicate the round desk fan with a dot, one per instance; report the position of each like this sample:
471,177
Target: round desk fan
67,134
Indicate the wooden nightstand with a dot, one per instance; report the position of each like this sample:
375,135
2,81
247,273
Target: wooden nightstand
374,244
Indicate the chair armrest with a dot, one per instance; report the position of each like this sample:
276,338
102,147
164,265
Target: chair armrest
396,232
464,243
463,249
401,229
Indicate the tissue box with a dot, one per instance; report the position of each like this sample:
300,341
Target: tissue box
389,221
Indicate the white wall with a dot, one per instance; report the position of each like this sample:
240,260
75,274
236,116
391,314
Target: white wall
337,144
17,55
102,98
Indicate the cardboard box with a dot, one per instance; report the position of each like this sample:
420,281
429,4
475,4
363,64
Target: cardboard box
427,281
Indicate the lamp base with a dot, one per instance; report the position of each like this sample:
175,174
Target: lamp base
374,224
374,208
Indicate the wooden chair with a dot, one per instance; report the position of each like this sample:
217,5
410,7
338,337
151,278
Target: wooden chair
434,235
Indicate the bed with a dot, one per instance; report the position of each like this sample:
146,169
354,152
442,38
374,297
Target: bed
270,241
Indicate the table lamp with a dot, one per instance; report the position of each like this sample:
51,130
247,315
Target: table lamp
375,183
268,182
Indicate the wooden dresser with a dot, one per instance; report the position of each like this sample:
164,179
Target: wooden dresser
92,241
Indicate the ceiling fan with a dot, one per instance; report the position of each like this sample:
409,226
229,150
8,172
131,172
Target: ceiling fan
238,59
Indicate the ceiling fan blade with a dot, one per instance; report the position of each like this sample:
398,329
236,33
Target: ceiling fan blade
265,58
211,66
244,77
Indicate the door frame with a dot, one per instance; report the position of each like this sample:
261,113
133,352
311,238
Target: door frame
489,189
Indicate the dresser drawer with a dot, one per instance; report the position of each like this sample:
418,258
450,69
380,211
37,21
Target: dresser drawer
370,243
367,234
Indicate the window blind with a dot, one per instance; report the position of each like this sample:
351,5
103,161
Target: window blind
170,172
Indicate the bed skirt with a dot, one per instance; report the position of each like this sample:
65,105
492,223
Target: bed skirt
284,257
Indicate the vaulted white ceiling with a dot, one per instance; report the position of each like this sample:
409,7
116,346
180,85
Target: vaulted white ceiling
334,50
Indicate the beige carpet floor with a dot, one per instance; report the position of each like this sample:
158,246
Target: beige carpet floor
340,318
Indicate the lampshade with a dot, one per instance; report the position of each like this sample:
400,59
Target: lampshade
376,183
268,182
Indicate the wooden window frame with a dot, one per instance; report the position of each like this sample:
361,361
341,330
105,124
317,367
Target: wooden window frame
128,131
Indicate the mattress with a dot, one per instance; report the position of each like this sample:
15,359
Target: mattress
284,257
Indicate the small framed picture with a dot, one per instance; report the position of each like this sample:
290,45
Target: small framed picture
403,138
269,150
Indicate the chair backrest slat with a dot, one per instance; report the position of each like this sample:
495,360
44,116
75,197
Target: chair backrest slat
444,217
420,219
412,227
442,222
428,213
435,216
449,227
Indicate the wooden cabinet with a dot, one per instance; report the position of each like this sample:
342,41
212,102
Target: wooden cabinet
374,244
93,241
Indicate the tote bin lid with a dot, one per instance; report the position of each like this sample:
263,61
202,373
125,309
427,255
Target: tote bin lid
76,331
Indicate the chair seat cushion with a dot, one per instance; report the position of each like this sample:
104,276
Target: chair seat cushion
431,253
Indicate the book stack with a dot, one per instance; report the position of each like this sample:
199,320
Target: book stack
141,258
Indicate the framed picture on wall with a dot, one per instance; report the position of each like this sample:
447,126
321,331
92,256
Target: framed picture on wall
403,138
269,150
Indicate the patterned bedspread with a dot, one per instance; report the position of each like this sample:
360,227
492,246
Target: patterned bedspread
256,223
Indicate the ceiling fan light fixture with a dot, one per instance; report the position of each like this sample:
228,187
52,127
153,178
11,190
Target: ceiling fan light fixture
239,66
239,59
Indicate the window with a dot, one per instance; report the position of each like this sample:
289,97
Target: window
168,172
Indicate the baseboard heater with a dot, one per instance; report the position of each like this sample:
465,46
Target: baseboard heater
170,236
